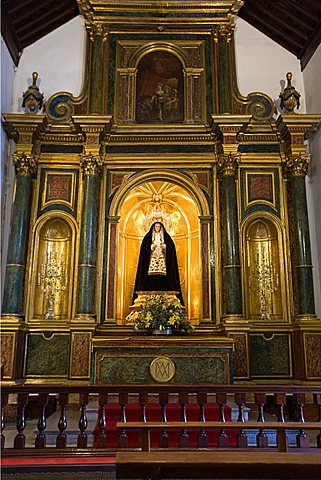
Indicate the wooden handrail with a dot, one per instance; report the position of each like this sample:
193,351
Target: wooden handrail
102,395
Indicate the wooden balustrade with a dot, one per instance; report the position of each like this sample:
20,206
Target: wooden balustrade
307,434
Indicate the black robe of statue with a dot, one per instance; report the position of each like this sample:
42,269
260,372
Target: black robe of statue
168,282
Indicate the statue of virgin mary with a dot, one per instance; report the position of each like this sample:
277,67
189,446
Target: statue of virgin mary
157,268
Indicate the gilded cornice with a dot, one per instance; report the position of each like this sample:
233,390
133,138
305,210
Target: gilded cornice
225,30
297,165
294,129
109,12
24,129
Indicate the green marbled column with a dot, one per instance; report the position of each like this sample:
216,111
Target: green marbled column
88,237
230,246
302,249
96,75
25,165
224,74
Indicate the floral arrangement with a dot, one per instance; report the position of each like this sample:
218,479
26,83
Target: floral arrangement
160,312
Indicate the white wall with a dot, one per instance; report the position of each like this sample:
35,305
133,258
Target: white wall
7,172
311,76
262,64
59,59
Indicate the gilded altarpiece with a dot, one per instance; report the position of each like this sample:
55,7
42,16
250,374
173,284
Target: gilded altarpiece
160,126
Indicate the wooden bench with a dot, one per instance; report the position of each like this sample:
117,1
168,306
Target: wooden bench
157,465
232,462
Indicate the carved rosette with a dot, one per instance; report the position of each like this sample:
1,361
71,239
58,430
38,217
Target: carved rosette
25,165
297,165
227,164
91,164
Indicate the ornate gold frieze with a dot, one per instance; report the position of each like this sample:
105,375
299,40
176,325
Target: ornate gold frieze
91,164
297,165
25,165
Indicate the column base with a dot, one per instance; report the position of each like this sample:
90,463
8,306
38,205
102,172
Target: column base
84,318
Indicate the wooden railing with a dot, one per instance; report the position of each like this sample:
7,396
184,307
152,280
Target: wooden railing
283,406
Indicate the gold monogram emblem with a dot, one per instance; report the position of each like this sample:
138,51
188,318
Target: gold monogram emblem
162,369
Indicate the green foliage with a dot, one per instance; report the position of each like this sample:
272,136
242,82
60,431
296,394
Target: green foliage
160,312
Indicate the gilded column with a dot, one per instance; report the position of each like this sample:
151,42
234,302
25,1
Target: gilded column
91,166
230,244
297,166
25,165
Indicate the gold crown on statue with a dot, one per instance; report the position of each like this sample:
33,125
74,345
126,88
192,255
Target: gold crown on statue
157,214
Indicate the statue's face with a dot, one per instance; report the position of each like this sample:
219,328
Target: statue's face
157,227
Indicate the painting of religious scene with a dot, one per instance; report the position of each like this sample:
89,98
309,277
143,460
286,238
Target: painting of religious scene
160,89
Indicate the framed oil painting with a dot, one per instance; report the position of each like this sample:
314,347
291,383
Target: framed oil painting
160,90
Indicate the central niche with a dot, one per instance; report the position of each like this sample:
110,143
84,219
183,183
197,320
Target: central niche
160,96
181,214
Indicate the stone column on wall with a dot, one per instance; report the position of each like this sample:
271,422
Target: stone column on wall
297,166
91,166
25,165
230,245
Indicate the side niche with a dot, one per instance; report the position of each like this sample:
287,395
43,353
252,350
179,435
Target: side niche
53,271
263,271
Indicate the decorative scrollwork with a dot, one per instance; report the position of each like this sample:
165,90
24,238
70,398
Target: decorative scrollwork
260,106
59,107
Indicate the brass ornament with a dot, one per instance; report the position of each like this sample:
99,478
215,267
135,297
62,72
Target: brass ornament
228,164
290,97
91,164
25,165
32,98
162,369
297,165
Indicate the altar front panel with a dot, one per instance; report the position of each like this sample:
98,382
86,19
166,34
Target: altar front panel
144,360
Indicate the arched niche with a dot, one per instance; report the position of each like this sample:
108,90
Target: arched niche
264,272
53,270
160,88
182,214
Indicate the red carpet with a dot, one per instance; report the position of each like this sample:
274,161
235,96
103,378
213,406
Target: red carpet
153,413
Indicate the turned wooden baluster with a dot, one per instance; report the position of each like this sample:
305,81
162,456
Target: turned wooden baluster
123,437
282,439
40,441
163,438
144,439
82,439
183,436
202,440
20,439
241,439
261,437
102,424
317,401
302,440
221,400
61,440
4,401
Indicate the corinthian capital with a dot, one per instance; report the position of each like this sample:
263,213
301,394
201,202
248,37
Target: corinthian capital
297,165
227,164
25,165
91,164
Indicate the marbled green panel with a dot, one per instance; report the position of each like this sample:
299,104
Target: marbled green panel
192,365
96,78
270,355
47,357
17,251
224,82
